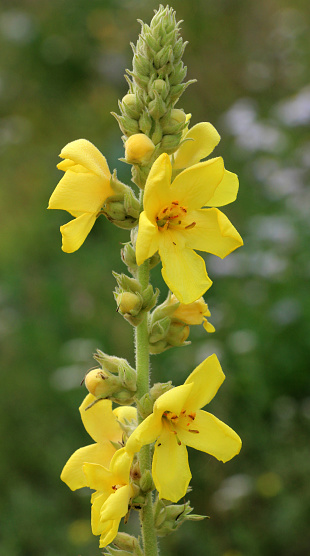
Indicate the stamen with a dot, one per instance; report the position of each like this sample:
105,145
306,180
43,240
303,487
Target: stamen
175,203
190,226
193,430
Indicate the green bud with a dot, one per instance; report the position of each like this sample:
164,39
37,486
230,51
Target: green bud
128,125
170,143
161,87
158,330
129,303
146,481
160,388
157,107
177,334
145,122
173,122
129,258
145,406
125,542
110,551
157,134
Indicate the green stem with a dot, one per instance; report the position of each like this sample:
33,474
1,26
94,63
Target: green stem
143,370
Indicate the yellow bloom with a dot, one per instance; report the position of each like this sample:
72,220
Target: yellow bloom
193,313
113,492
176,422
102,425
174,223
82,190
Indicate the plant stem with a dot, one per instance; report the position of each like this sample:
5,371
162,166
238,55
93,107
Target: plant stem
143,370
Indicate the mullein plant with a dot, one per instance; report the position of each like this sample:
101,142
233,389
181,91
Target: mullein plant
139,460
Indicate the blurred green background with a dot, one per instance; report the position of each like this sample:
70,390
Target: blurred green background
61,73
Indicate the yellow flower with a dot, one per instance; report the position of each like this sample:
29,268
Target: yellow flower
174,223
113,492
176,422
82,190
102,425
193,313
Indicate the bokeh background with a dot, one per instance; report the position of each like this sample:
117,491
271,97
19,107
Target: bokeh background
61,73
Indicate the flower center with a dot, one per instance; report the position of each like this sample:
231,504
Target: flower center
184,420
171,216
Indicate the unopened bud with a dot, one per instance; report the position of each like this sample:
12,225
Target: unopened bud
146,481
100,384
170,143
174,123
128,302
159,388
177,334
125,542
139,149
130,105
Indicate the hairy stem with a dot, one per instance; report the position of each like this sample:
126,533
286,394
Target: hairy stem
143,371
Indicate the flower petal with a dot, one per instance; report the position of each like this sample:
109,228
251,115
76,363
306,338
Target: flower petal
98,499
116,506
183,270
204,139
85,153
206,380
145,433
213,233
156,193
226,192
80,191
76,231
170,469
214,437
147,240
120,466
110,529
174,400
98,477
196,185
72,473
99,420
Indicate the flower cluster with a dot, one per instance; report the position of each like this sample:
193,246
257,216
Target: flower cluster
176,215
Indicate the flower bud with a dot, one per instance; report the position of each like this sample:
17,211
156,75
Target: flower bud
128,302
128,255
146,481
130,106
177,334
174,122
160,388
139,149
170,143
125,542
100,384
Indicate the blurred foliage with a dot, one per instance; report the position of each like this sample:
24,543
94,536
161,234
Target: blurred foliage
61,74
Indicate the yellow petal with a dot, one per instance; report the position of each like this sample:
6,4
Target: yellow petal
125,413
110,529
98,477
156,193
208,326
85,153
76,231
120,466
214,437
80,191
99,420
183,270
226,192
174,400
98,499
206,380
170,469
65,165
213,233
204,139
73,474
147,240
196,185
116,506
145,433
